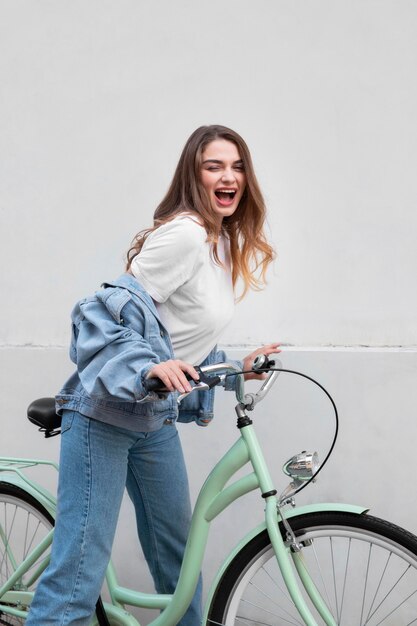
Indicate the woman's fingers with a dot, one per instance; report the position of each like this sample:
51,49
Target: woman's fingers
273,348
172,374
270,348
168,377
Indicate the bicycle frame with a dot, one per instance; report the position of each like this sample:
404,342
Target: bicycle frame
213,499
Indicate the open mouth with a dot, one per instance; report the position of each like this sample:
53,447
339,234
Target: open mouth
225,195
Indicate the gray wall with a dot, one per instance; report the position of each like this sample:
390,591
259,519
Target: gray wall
97,99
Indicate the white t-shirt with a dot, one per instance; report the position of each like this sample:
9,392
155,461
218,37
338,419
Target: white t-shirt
193,294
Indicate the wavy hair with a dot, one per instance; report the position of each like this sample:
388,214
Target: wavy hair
250,252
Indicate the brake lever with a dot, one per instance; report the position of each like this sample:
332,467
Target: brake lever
200,386
204,384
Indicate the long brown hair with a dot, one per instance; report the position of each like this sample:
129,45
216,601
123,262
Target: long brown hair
250,252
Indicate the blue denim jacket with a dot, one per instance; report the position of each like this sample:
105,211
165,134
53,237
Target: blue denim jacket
117,337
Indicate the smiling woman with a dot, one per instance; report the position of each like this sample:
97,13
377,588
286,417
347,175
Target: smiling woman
160,319
191,192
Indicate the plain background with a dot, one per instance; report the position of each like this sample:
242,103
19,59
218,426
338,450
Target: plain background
96,102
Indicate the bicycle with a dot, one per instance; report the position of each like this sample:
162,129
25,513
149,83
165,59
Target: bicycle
323,563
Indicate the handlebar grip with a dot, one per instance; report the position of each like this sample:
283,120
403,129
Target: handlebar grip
155,384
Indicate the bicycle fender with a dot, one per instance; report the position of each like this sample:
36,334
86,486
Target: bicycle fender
317,507
37,492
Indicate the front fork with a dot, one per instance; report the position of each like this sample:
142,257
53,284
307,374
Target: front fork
280,547
287,571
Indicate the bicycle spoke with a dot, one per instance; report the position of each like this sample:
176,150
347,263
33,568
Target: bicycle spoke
395,609
3,536
8,555
264,610
334,579
242,619
389,593
378,587
282,589
366,580
345,579
28,545
262,593
321,575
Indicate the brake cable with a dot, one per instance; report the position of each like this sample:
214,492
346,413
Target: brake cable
336,415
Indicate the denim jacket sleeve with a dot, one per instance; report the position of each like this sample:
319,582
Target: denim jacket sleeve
112,358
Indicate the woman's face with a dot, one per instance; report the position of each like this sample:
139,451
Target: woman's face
223,176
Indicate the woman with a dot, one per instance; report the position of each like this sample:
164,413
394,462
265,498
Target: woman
159,319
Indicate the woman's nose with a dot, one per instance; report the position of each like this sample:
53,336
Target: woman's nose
228,175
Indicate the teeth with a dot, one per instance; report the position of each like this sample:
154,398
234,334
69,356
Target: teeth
227,190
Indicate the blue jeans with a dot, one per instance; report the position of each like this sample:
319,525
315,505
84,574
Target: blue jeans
97,462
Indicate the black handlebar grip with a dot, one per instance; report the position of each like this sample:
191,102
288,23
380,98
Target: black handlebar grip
154,384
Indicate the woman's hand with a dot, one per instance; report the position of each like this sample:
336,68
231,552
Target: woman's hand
271,348
172,374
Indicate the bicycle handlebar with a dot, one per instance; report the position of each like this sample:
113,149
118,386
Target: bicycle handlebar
156,384
209,378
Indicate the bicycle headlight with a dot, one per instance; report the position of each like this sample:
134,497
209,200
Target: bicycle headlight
302,466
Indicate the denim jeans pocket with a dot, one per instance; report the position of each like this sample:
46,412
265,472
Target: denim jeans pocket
67,420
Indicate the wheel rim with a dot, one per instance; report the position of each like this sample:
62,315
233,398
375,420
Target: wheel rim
22,527
365,580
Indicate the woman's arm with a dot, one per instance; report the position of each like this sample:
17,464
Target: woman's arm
113,359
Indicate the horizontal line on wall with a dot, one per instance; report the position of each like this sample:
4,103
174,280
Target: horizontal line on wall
326,348
249,346
36,346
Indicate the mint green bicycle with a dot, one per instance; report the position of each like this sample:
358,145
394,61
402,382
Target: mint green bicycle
329,564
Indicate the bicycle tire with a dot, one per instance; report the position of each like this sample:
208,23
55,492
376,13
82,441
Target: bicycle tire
25,522
365,569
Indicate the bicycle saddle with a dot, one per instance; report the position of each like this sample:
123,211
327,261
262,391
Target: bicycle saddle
42,413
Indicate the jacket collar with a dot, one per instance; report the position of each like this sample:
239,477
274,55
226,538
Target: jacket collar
129,282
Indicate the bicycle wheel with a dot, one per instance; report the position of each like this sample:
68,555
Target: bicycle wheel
365,569
24,522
